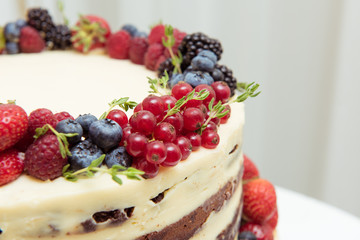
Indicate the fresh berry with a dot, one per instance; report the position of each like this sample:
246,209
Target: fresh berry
259,200
135,144
159,61
153,104
62,116
11,165
209,89
210,139
225,118
24,142
193,118
30,40
13,125
138,108
169,101
165,66
141,34
156,34
39,117
151,170
137,50
200,63
118,116
250,169
209,55
222,91
12,48
70,126
195,78
272,222
143,121
106,134
178,36
131,29
165,132
175,79
90,32
173,155
246,235
58,37
153,53
211,126
180,90
193,103
261,232
195,140
223,73
41,20
118,45
83,154
155,152
20,23
126,133
85,121
43,159
12,32
118,156
184,145
177,121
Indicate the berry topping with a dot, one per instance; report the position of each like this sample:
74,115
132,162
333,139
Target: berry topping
155,152
222,91
173,155
184,145
41,20
137,50
118,45
210,139
151,170
156,34
70,126
223,73
165,132
246,235
131,29
261,232
30,41
105,133
181,89
118,116
193,118
195,140
250,169
12,32
83,154
85,121
62,116
153,104
39,117
13,125
118,156
143,121
135,144
11,165
195,78
153,53
201,63
12,48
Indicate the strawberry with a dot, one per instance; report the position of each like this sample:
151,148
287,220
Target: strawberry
272,222
250,169
11,165
156,34
30,40
39,117
153,53
260,232
2,40
13,125
118,45
137,50
90,32
259,201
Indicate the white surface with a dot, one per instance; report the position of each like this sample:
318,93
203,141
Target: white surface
302,217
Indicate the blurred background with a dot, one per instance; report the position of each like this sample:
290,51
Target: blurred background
303,129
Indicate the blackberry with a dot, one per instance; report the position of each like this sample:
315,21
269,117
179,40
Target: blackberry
194,43
165,65
223,73
58,37
41,20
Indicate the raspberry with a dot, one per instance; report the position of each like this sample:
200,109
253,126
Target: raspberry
156,34
11,165
137,50
62,116
30,40
43,159
154,52
118,45
39,118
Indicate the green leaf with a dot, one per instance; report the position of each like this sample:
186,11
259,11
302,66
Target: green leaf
97,161
117,179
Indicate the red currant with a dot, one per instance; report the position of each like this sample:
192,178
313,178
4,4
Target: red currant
143,121
195,140
208,88
211,126
227,116
135,144
138,108
153,104
126,132
118,116
151,170
168,101
181,89
210,139
165,132
222,91
193,118
155,152
177,121
173,155
185,146
193,102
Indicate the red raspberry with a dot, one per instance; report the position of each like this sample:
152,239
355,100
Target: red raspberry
156,34
11,165
43,159
154,52
62,116
118,45
137,50
39,117
13,125
178,35
30,40
250,169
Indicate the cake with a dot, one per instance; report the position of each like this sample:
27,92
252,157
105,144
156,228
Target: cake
199,198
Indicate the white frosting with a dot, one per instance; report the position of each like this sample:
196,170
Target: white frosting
30,208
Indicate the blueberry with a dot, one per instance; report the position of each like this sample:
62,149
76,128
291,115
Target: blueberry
196,78
106,134
12,48
208,54
175,78
70,126
118,156
83,154
217,75
246,235
85,121
141,34
202,64
20,23
131,29
11,32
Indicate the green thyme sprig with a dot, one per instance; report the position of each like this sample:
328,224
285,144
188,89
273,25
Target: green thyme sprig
169,42
60,5
217,111
114,171
182,101
121,102
62,138
159,85
248,90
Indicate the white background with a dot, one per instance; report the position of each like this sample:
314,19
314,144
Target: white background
303,130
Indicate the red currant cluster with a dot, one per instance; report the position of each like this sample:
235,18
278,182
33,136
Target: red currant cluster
158,136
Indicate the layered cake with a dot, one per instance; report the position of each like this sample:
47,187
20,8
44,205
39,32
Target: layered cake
196,195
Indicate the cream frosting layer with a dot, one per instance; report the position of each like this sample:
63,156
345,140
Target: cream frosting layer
30,208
